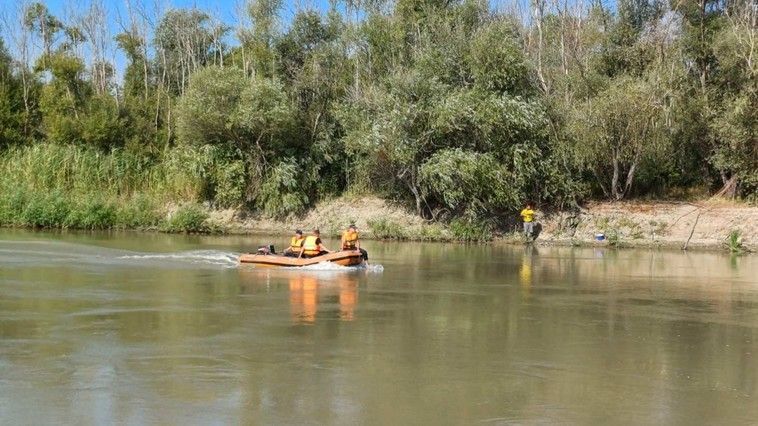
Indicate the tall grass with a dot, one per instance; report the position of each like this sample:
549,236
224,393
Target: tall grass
54,186
734,241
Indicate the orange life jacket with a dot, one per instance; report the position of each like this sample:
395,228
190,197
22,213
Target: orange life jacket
349,239
310,247
296,244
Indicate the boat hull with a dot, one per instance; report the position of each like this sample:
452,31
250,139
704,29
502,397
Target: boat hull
343,258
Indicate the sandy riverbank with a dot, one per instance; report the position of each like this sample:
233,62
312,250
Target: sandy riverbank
706,225
699,225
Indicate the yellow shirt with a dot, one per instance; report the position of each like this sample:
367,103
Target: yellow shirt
527,214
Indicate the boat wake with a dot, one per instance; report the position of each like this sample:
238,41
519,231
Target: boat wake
53,253
329,266
202,257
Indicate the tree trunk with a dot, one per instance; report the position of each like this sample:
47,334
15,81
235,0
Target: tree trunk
539,10
630,177
615,179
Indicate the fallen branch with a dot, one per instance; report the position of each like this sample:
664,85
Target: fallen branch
692,231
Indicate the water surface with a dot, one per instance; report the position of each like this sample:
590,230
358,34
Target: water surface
135,328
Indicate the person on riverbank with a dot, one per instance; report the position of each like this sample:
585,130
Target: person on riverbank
527,215
351,241
312,246
296,245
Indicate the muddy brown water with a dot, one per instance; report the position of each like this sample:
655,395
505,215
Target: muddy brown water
132,328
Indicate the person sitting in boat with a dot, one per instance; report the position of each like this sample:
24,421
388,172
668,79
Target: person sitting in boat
350,241
296,245
312,246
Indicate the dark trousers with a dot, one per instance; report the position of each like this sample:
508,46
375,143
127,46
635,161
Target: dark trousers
364,253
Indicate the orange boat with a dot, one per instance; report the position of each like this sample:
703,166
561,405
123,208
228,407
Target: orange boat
343,258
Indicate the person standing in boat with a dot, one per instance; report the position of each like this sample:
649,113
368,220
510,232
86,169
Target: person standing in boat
296,245
527,215
312,246
350,241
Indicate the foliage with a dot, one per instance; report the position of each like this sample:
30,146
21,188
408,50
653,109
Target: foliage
471,230
613,237
469,183
281,193
46,211
223,107
387,229
734,241
616,131
187,218
455,110
92,213
497,60
140,211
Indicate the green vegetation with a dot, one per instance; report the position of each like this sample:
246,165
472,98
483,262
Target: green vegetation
386,229
734,241
457,111
187,218
471,230
614,239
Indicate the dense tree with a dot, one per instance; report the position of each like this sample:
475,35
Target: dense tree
249,116
11,102
454,109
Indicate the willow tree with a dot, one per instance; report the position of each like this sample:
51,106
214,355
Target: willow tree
248,116
11,102
615,131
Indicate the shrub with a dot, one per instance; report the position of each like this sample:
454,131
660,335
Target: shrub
433,232
386,229
46,211
468,182
614,240
92,214
12,204
282,192
471,230
139,212
187,218
230,183
734,241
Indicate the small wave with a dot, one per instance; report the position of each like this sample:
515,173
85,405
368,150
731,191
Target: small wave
329,266
378,269
325,266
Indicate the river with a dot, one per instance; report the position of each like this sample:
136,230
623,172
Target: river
131,328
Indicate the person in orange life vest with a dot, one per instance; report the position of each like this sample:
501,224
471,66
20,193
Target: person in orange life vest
350,241
312,246
296,244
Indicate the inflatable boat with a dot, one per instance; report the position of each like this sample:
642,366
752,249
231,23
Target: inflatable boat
343,258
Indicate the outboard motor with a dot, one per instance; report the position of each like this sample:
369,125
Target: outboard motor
269,249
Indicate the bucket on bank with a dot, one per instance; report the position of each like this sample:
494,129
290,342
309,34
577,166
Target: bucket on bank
600,236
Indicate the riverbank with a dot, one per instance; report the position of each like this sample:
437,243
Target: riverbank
708,225
703,225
